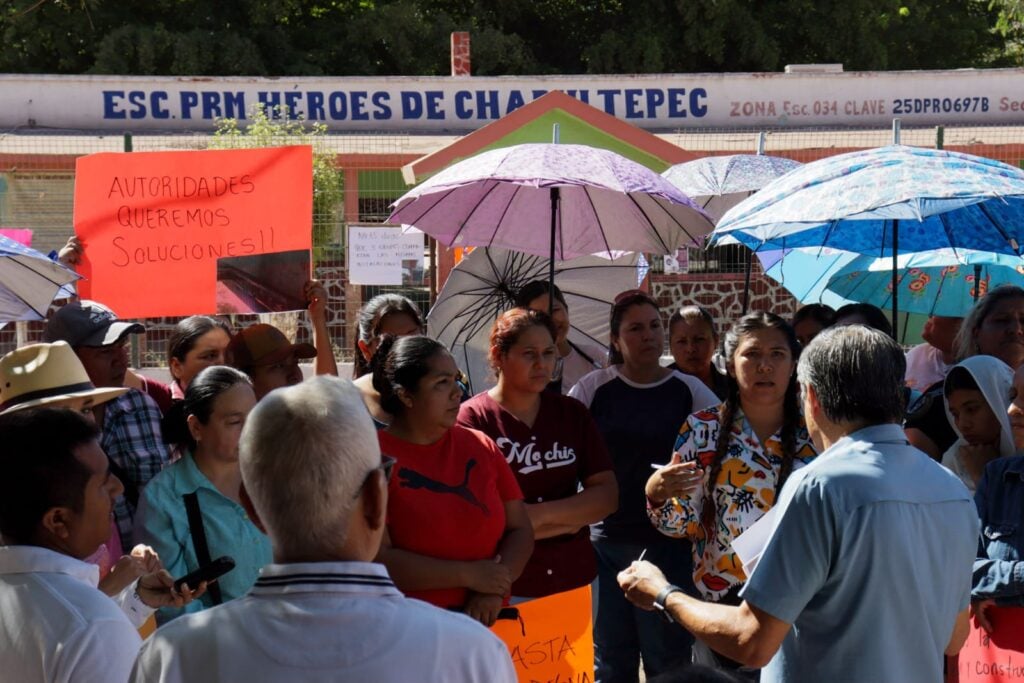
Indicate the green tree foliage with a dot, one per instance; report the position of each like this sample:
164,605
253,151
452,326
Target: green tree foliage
264,129
410,37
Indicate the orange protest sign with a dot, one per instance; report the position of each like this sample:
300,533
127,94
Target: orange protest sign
995,657
155,224
555,641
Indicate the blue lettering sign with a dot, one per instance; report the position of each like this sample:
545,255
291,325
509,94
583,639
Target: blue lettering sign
315,106
487,104
655,98
110,110
189,101
697,106
434,100
632,102
515,100
609,100
359,112
383,109
291,99
462,100
412,105
337,104
156,107
234,105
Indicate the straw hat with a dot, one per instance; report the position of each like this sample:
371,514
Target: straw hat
44,374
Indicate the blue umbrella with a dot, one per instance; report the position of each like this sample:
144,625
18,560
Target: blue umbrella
29,281
938,282
718,183
949,290
884,202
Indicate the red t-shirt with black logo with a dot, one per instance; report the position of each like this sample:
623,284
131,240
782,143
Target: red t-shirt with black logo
563,448
447,500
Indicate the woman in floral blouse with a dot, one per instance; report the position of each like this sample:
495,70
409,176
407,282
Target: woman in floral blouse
715,489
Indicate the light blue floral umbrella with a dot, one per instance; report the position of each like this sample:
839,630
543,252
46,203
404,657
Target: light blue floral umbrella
932,290
718,183
939,282
886,201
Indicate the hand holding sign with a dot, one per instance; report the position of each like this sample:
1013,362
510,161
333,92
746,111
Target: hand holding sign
996,653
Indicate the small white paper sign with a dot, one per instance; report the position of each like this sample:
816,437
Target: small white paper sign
751,543
383,255
677,263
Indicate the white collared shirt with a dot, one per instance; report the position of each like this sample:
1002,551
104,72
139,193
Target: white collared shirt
55,625
324,621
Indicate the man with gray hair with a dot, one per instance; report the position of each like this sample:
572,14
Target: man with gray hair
314,480
866,574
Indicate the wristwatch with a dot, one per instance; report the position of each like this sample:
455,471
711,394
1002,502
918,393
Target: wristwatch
661,597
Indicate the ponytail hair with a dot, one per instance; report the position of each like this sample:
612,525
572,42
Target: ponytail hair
400,363
371,315
200,396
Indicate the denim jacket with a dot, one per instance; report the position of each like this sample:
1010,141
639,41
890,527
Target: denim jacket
999,571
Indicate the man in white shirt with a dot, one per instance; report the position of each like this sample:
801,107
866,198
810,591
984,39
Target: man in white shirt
56,503
314,479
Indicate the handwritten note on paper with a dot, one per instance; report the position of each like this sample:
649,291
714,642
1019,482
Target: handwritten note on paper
555,642
383,255
154,224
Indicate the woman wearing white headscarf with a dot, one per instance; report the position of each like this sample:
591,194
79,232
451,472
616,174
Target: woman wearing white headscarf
977,394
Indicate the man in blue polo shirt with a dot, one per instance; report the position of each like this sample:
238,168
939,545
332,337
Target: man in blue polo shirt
866,575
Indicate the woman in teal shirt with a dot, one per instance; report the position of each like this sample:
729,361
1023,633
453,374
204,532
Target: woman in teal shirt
207,426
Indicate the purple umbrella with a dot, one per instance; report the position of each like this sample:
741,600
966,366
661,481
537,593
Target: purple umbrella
594,200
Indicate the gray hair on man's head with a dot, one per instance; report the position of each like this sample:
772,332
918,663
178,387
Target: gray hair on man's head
857,373
305,452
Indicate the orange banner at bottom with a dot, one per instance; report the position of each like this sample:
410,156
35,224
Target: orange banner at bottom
555,641
993,658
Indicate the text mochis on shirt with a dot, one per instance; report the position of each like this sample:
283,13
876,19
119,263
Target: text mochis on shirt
530,459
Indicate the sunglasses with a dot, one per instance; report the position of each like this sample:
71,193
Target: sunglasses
387,465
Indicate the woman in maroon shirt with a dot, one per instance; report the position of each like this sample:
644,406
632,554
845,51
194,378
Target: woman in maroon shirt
553,447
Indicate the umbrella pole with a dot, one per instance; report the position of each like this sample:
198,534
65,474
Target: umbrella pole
895,280
977,282
551,262
746,282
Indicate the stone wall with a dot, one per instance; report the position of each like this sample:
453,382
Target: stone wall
722,294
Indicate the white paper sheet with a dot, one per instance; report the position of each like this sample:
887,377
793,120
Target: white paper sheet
751,543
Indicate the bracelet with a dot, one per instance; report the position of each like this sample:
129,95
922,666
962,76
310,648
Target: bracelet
659,601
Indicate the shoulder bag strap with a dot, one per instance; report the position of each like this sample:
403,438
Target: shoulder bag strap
198,533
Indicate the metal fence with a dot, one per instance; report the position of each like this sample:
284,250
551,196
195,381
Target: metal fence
37,173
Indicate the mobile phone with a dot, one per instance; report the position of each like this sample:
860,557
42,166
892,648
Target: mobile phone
214,570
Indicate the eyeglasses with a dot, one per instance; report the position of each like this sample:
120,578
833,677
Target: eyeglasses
387,464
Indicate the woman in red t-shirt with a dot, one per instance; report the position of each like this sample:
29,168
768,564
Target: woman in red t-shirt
458,534
553,446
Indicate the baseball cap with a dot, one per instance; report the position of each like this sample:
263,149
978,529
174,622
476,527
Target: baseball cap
263,344
88,323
